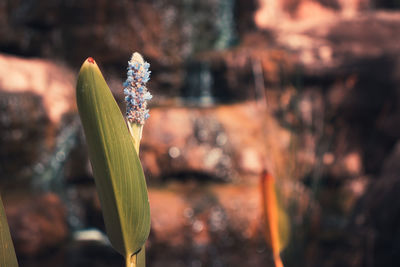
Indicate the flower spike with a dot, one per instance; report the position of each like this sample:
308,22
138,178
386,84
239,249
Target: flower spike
136,94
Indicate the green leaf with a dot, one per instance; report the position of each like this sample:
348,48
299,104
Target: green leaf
7,252
116,167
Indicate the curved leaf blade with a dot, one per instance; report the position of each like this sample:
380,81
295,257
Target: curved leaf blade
116,167
7,252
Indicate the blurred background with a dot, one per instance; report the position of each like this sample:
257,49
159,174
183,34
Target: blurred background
307,90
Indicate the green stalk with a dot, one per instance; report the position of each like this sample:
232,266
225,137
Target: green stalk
136,133
136,97
131,261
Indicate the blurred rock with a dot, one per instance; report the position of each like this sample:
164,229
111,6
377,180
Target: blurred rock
37,224
194,209
23,126
78,254
284,14
348,166
222,143
219,221
387,4
339,107
345,119
35,96
213,224
238,74
54,83
165,32
376,213
191,222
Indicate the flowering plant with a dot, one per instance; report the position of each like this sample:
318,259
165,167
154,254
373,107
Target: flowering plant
113,152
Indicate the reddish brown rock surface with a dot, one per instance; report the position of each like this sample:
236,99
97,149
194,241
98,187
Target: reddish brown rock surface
37,224
224,143
36,96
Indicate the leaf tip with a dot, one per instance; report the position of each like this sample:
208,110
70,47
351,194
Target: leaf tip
90,60
89,64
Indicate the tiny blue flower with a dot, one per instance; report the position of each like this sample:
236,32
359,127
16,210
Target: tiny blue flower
147,96
133,101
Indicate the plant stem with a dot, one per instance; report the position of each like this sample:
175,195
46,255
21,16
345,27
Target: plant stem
136,133
131,260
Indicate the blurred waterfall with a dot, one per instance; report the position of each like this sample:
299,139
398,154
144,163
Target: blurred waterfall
48,174
209,26
225,25
198,84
